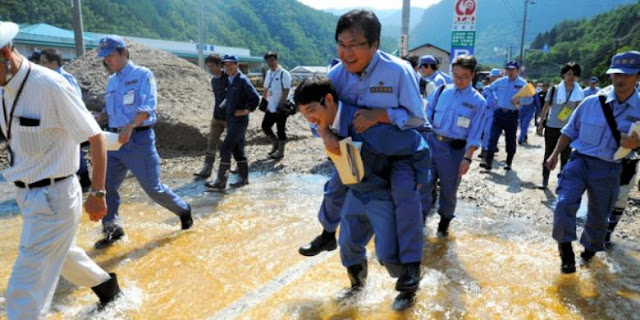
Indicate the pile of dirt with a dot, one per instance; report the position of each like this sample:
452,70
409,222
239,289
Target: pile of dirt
185,99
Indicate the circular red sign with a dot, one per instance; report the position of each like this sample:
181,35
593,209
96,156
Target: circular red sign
465,7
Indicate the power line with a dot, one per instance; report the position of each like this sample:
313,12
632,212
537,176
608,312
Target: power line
510,10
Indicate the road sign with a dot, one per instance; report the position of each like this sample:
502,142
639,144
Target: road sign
464,15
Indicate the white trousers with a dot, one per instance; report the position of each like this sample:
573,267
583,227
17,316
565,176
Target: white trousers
47,249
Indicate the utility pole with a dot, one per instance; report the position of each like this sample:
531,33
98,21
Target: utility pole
77,27
404,36
524,27
200,36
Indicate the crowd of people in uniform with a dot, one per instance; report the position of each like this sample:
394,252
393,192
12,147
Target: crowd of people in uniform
419,130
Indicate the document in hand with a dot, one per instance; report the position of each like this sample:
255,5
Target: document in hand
526,91
112,141
349,161
623,152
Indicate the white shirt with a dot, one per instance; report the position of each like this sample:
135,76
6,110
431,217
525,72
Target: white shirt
281,80
50,148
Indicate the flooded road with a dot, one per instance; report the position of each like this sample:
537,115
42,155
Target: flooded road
240,261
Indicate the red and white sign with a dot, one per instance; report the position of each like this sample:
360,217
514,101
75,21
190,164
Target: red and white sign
464,15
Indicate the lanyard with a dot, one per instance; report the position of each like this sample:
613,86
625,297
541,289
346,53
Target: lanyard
8,121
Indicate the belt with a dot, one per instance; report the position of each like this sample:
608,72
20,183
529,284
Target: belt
136,129
39,184
443,138
508,110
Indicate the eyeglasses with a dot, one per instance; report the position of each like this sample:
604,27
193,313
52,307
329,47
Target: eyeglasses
463,78
312,109
352,47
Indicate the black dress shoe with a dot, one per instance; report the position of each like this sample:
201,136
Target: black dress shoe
186,220
324,242
404,301
443,227
111,235
409,280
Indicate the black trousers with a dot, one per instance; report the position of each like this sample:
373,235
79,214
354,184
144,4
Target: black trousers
281,123
551,137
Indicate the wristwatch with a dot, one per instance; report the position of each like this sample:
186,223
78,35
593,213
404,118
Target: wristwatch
98,193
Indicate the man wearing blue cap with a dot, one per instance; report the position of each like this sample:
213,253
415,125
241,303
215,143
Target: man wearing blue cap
130,104
593,87
494,75
595,131
44,121
241,97
429,69
505,116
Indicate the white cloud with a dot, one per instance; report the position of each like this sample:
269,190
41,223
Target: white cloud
381,4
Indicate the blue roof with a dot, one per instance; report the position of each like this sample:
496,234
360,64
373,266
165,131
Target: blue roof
47,30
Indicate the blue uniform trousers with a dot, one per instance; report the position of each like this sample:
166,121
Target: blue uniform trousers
141,157
363,215
408,210
235,140
486,134
445,166
506,120
598,177
524,116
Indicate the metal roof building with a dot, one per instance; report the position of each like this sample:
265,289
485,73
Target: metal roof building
42,35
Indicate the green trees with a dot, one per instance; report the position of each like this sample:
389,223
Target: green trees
591,43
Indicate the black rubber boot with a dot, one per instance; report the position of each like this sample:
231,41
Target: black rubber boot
112,234
279,154
443,227
587,255
545,178
186,220
614,218
358,275
274,145
207,168
568,258
107,291
223,175
243,170
488,162
324,242
409,280
509,162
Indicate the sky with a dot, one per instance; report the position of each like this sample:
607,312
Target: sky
377,4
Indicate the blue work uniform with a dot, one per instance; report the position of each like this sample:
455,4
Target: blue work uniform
240,95
74,83
369,206
437,79
219,87
530,106
130,91
592,167
387,82
447,78
458,118
505,116
488,115
588,91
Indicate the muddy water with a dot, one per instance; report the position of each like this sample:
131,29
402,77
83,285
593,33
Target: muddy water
240,261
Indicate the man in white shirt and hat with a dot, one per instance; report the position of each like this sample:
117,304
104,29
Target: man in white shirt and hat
44,120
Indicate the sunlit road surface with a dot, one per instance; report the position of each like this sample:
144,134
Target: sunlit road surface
240,261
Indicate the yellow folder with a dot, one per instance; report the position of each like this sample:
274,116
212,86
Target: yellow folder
349,162
526,91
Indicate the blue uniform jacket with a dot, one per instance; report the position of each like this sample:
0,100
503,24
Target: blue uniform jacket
383,144
588,130
72,80
240,95
130,91
503,90
386,83
219,87
532,102
458,114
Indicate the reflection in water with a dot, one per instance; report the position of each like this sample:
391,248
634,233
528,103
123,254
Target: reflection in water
240,261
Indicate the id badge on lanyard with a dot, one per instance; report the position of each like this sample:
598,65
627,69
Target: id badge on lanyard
564,114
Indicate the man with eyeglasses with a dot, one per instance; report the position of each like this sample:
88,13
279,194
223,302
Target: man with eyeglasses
457,114
387,91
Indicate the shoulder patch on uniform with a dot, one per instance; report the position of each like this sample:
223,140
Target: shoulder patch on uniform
151,80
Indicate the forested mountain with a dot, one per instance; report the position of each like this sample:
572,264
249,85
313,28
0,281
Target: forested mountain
500,22
302,35
591,43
